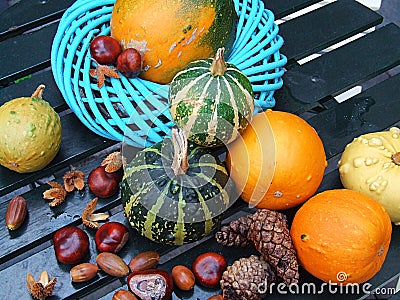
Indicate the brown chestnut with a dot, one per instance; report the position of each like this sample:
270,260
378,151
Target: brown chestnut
144,260
151,284
208,268
112,264
183,277
71,244
83,272
102,183
111,237
105,49
129,62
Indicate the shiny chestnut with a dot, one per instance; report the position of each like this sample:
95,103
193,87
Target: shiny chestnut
71,244
208,269
129,62
102,183
111,237
105,49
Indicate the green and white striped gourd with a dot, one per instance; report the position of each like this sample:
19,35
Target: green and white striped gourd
212,100
175,192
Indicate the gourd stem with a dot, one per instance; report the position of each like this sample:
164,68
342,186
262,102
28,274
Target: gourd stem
39,91
218,66
180,163
396,158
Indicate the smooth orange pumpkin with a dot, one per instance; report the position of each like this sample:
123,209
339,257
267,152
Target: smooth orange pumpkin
171,34
341,236
278,162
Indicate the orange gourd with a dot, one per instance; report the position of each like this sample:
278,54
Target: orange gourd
170,34
341,236
278,162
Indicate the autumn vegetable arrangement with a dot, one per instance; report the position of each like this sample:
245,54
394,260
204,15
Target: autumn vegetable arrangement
309,241
177,191
276,162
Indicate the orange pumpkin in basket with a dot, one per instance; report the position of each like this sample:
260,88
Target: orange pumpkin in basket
341,236
171,34
278,162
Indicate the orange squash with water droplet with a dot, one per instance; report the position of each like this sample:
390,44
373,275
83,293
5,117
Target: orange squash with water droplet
278,162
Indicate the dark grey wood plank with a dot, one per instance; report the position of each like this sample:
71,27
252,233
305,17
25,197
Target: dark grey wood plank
77,142
28,14
373,110
26,53
324,27
284,8
340,69
27,86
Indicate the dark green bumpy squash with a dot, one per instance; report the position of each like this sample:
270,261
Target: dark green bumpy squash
176,192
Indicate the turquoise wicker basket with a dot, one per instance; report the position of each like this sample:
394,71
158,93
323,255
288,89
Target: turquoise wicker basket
136,110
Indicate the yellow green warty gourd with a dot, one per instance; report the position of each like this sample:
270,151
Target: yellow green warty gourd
30,133
370,164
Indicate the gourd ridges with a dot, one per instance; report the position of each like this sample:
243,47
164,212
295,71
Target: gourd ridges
146,188
206,113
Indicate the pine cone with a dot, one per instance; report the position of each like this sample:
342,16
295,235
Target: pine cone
247,279
235,234
267,230
271,237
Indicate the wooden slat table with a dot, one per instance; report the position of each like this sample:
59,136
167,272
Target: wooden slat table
26,32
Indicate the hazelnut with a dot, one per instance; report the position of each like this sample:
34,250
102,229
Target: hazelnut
183,277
